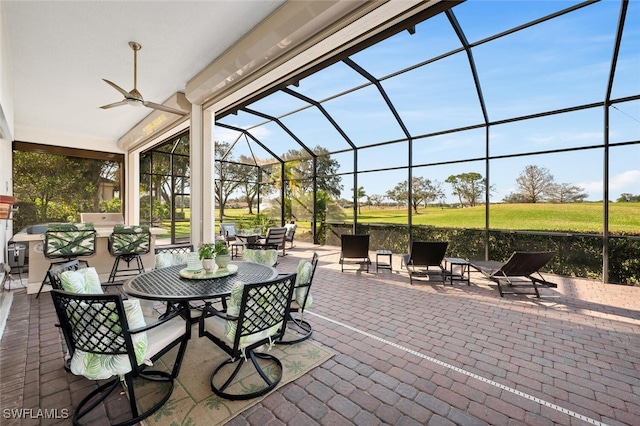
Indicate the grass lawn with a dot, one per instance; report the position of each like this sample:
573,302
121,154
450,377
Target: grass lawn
573,217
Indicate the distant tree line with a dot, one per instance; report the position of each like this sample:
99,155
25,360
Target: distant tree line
534,185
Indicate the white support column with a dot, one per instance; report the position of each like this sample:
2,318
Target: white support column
132,202
202,175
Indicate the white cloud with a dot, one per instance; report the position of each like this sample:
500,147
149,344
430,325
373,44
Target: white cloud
628,181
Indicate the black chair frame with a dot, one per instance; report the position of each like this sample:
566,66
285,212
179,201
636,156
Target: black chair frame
297,321
252,318
426,254
74,309
354,247
119,246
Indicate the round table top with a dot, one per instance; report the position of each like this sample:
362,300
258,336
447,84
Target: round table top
167,284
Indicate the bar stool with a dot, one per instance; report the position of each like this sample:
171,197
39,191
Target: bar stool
128,243
64,242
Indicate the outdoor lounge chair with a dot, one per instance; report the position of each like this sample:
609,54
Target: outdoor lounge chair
425,255
354,247
521,264
275,238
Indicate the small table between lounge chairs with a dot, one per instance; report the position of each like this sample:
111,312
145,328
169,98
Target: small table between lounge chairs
463,273
384,265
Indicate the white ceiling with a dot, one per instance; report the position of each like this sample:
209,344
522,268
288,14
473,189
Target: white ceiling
61,51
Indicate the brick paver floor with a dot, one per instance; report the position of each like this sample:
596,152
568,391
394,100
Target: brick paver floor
427,354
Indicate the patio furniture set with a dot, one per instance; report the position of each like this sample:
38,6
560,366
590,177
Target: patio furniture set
427,259
110,336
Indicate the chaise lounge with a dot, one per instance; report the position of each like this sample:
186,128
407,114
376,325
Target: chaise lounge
521,264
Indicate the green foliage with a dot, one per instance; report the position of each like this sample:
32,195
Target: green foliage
112,206
206,250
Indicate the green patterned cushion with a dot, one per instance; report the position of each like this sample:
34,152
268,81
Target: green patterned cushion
66,227
70,239
83,281
265,257
99,366
305,269
130,239
233,309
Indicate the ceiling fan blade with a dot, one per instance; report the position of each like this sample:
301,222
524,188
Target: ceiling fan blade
164,108
118,88
115,104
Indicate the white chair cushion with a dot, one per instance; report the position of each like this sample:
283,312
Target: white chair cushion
304,270
160,337
266,257
99,367
164,260
82,281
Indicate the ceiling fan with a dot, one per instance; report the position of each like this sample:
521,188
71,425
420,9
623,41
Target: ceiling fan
134,97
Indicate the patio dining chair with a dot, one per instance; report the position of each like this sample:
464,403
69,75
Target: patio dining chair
276,236
127,244
64,242
109,339
300,301
521,269
255,316
229,232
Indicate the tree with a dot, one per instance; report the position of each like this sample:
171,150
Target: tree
376,199
360,193
250,186
469,187
301,170
534,184
566,193
423,192
626,197
229,175
60,186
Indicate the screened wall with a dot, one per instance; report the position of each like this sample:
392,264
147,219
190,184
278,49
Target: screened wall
516,123
165,188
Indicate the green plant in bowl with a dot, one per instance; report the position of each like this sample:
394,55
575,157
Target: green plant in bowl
207,250
221,248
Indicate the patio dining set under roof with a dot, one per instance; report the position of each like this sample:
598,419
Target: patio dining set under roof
383,92
427,353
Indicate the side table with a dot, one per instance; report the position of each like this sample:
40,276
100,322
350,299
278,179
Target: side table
463,272
383,265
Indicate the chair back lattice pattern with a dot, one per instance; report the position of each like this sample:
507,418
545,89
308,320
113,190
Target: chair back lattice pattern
69,240
264,306
174,249
130,240
56,270
94,323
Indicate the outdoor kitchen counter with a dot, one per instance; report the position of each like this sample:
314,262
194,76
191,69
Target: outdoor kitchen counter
102,260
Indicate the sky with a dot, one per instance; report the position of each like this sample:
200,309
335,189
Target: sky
561,63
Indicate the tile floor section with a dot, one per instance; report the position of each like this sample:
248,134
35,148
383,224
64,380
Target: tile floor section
427,354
